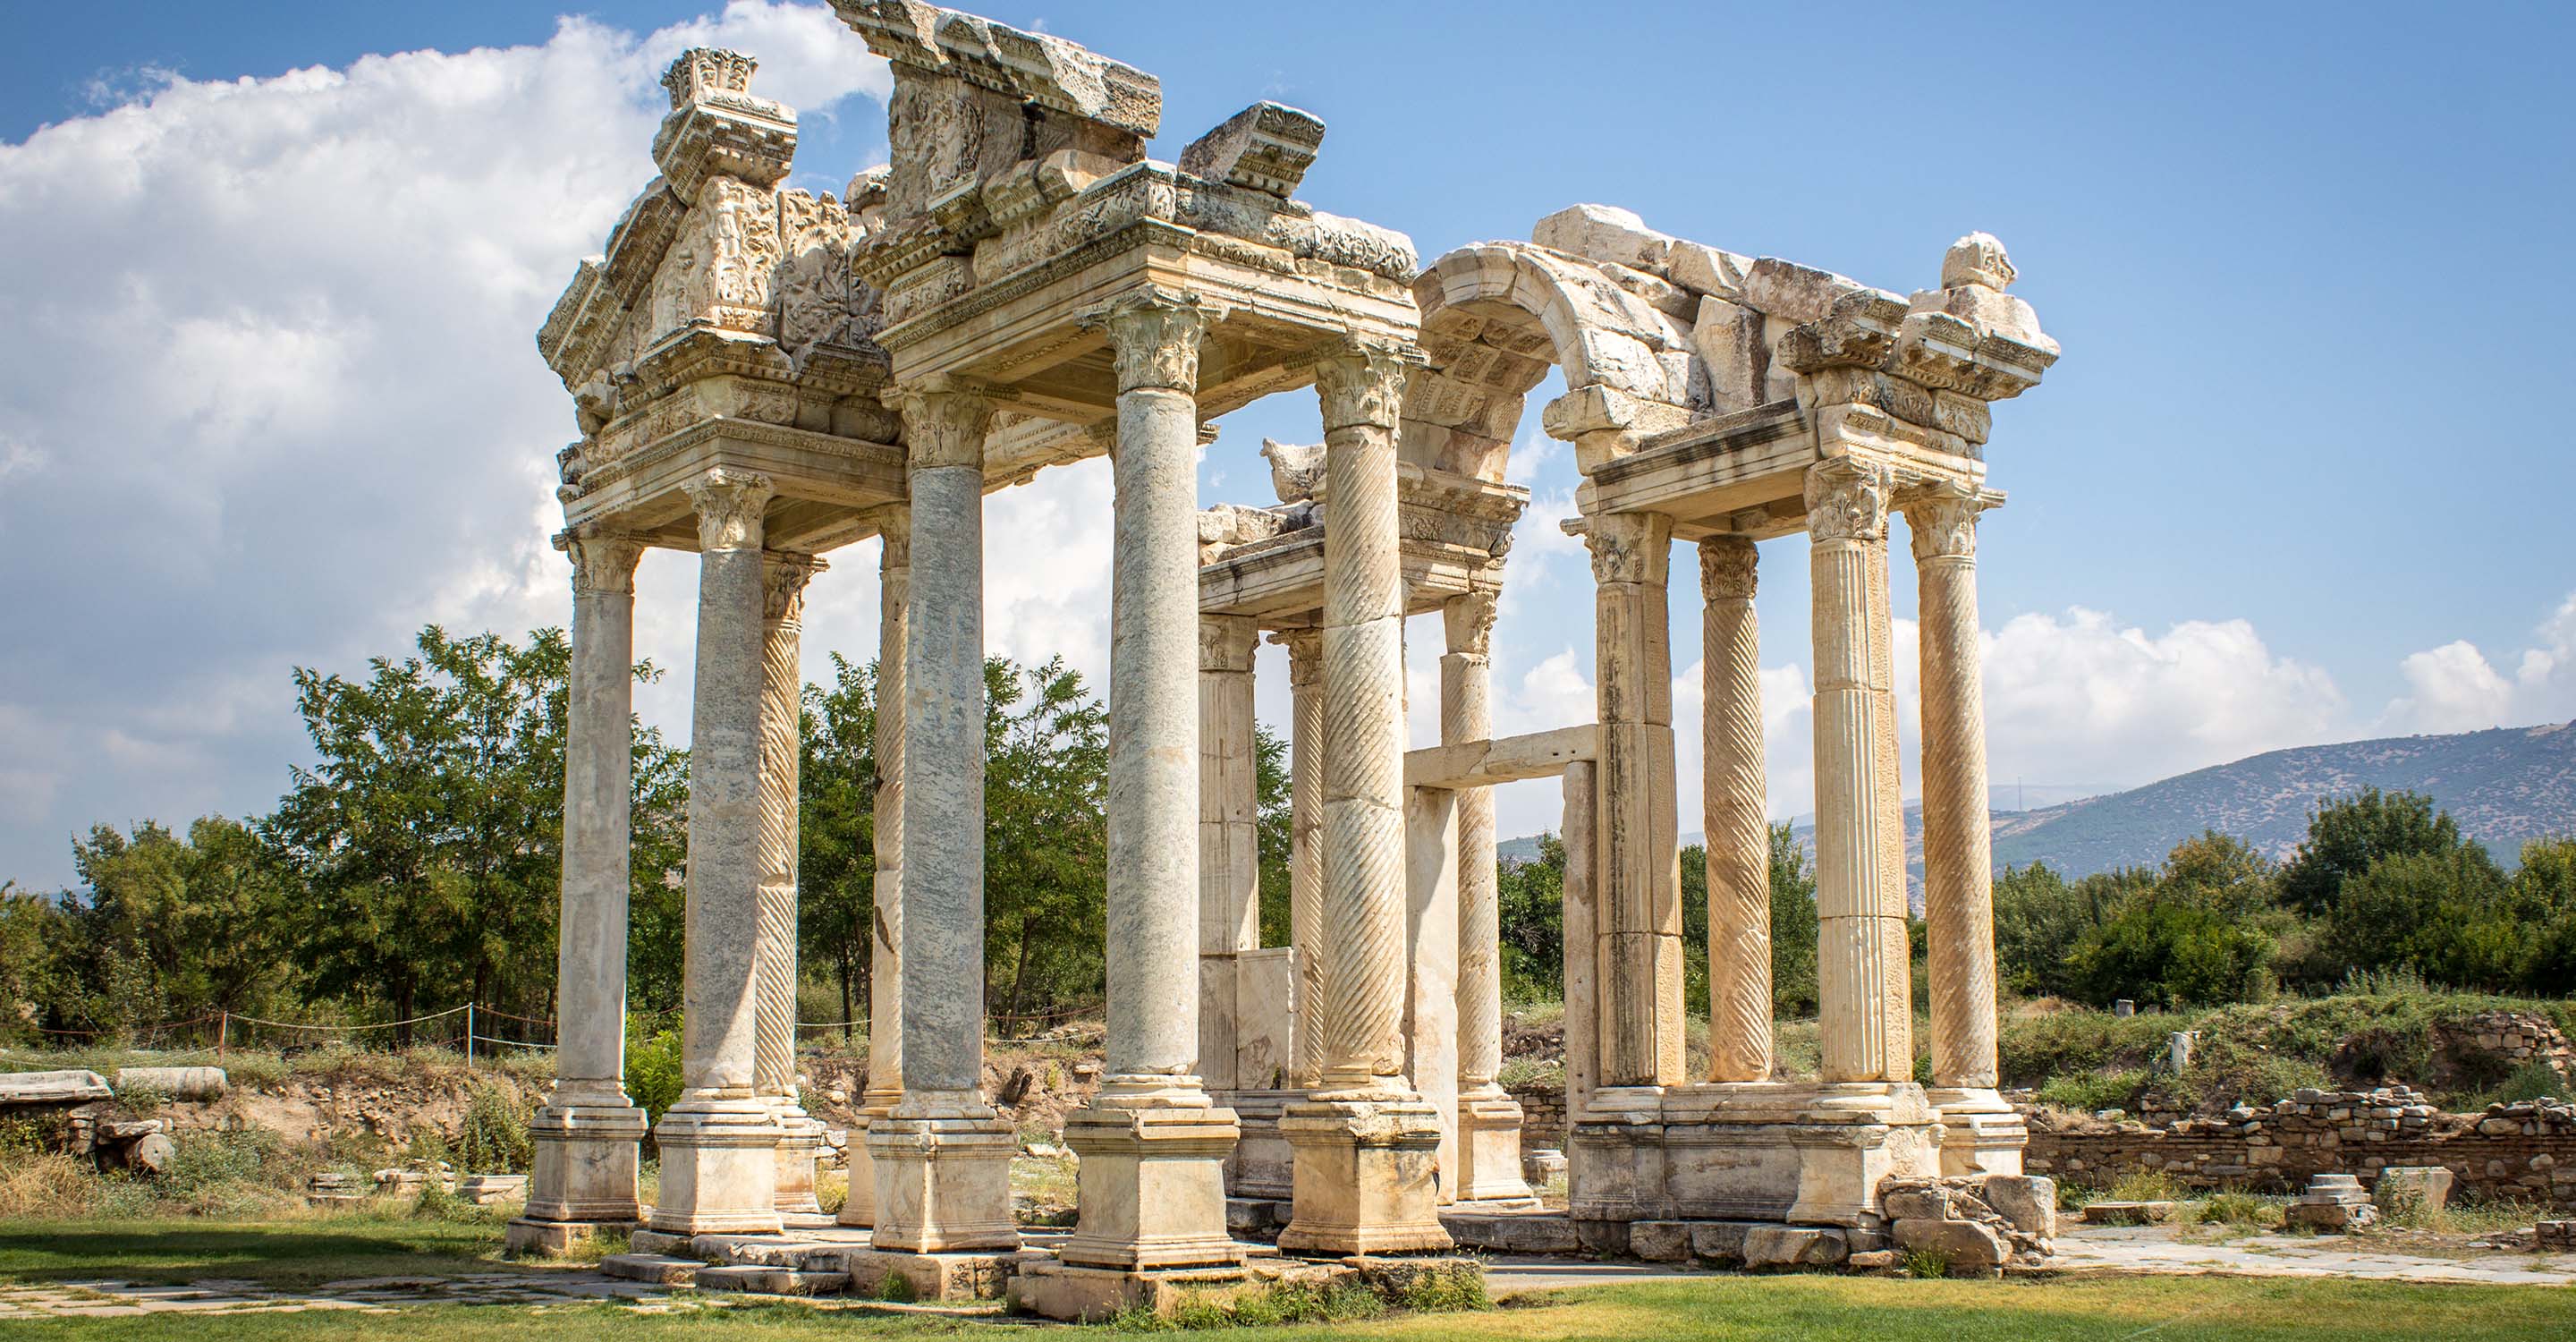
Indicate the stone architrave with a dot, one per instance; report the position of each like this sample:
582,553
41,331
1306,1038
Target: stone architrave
942,1156
1489,1120
1736,821
1364,1141
587,1133
1865,1010
782,706
1639,935
885,939
1983,1133
1151,1141
719,1140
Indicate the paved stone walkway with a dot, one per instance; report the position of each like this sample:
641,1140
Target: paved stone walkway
109,1298
2159,1250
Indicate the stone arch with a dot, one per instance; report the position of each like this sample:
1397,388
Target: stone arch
1495,317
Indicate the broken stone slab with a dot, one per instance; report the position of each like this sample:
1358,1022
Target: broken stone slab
1604,233
1513,1232
68,1087
2333,1217
1963,1243
660,1269
1794,1246
1660,1241
2028,1201
483,1190
770,1280
1266,147
2425,1187
186,1084
2128,1213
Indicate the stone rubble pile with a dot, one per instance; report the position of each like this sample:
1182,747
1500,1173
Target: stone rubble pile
1978,1222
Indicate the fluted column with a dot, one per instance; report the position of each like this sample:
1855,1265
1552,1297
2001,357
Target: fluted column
1866,1015
942,1156
1958,857
782,712
1305,846
1735,814
1152,1144
1229,841
586,1134
1489,1120
1640,929
719,1140
885,934
1364,1142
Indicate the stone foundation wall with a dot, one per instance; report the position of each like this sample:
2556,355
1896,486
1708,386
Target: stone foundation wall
1542,1117
2525,1150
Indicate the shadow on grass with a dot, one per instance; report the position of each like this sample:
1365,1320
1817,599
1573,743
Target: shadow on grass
278,1254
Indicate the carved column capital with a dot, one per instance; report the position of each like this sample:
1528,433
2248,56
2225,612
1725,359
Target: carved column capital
730,504
783,576
1727,568
1469,620
946,427
1943,518
1847,499
894,528
1154,336
1227,642
1305,654
1362,384
1630,547
601,561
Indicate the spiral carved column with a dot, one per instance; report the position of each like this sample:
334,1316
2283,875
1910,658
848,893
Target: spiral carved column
783,580
1735,815
1305,846
1365,1142
1489,1119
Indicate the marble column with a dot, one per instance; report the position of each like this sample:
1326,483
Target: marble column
719,1141
586,1135
1582,831
1735,815
1865,1011
782,712
885,939
1365,1143
1640,931
1489,1119
1305,848
942,1156
1229,842
1985,1135
1152,1143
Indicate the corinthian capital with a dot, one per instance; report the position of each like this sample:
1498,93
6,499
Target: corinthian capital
729,504
1362,385
1469,620
782,585
1943,518
1847,500
1630,547
946,427
1726,568
1305,654
601,561
1155,338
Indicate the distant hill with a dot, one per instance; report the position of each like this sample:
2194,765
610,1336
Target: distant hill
2504,786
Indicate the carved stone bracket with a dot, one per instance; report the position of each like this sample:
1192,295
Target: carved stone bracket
783,576
1469,622
1943,519
603,561
947,427
1362,384
1630,547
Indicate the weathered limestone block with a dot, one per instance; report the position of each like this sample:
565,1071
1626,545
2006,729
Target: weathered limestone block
1706,270
1964,1243
2416,1187
179,1083
1794,1246
1603,233
1266,147
68,1087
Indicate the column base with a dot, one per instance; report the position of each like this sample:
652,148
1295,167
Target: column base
859,1208
1489,1147
1075,1294
1981,1132
583,1170
1262,1167
1364,1177
1152,1182
800,1143
719,1166
1804,1153
943,1177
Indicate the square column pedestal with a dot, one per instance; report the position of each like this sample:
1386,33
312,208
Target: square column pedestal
1803,1153
1364,1177
1489,1149
719,1168
1981,1132
943,1178
1262,1166
584,1180
1152,1186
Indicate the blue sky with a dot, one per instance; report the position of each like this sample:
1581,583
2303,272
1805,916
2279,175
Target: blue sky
2295,478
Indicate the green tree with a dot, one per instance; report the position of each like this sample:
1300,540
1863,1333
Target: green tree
2347,835
1272,816
34,934
2039,919
166,928
2449,916
1530,909
1795,925
836,834
1046,783
2544,890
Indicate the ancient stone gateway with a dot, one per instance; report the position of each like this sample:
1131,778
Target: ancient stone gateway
762,375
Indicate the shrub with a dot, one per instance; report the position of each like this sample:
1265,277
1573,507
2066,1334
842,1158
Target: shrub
1926,1263
2236,1209
494,1138
2092,1091
653,1070
2533,1080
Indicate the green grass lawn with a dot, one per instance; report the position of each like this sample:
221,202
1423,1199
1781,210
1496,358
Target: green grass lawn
1806,1308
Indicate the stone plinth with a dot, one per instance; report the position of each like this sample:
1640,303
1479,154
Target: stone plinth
1152,1188
1804,1153
1981,1132
943,1178
1489,1147
1364,1177
1262,1164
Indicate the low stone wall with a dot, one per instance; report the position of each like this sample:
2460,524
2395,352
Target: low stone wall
2525,1150
1542,1117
